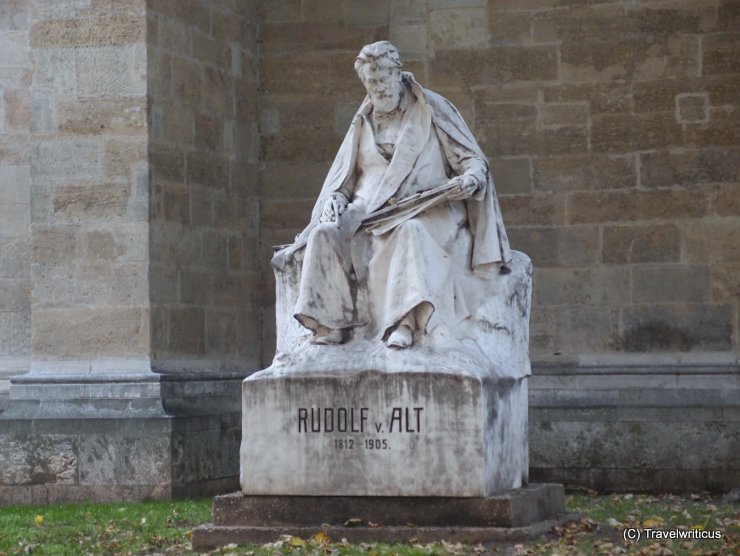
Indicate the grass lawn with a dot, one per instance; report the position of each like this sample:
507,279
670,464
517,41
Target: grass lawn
165,528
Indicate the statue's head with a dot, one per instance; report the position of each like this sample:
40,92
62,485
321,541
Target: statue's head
379,67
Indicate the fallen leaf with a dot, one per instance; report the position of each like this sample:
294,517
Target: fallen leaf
321,538
296,541
353,522
653,521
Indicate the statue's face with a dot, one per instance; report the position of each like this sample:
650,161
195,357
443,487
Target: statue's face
383,85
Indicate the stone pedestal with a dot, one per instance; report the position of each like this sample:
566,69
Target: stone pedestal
434,436
513,516
372,433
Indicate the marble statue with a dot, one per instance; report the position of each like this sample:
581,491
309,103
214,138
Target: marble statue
407,214
402,317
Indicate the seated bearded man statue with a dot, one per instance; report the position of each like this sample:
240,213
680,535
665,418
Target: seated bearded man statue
406,217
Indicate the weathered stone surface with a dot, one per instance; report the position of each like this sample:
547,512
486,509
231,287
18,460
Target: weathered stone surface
509,28
720,54
96,117
15,221
410,424
15,188
692,108
670,283
123,459
207,169
711,242
641,244
517,508
638,205
562,140
586,329
28,461
14,295
576,246
14,46
294,74
104,31
584,172
322,144
533,210
728,201
55,70
168,163
122,157
460,27
14,259
411,40
42,118
506,128
78,203
689,167
115,284
624,133
726,282
603,286
637,59
107,331
494,66
279,38
17,114
601,98
15,333
294,180
361,13
111,71
565,114
512,175
683,327
14,15
68,160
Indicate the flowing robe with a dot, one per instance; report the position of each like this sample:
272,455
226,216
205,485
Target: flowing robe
352,279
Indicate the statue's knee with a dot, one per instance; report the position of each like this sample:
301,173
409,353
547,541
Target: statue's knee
324,230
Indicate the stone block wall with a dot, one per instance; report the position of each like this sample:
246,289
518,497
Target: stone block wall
612,132
203,148
15,185
611,127
89,184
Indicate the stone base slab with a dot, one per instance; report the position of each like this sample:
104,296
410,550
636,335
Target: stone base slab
518,515
208,537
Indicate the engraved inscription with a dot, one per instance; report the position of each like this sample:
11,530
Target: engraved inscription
359,421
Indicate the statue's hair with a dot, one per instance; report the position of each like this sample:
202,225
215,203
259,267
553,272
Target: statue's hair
378,54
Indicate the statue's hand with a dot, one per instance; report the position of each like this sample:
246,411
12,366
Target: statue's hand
335,205
465,187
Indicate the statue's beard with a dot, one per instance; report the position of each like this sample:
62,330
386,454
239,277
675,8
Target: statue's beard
385,103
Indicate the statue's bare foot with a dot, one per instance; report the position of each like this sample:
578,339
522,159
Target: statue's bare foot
327,336
401,337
